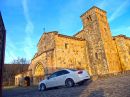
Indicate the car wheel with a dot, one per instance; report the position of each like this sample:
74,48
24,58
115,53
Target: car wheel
69,83
42,87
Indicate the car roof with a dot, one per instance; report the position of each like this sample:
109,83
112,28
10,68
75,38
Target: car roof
67,69
70,70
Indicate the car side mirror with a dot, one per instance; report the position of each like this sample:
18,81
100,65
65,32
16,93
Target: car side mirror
48,78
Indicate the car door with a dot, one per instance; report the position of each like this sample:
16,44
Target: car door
61,77
51,80
58,79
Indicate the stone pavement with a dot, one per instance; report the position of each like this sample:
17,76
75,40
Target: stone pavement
118,86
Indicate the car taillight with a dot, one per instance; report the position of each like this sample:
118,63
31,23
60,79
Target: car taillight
80,72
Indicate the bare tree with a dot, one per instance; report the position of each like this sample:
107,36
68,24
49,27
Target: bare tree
20,61
10,70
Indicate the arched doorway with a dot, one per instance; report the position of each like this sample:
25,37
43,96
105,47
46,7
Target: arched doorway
39,73
27,81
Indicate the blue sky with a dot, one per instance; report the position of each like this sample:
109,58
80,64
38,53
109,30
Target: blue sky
25,21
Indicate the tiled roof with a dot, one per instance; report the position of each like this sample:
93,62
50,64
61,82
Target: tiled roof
71,37
124,36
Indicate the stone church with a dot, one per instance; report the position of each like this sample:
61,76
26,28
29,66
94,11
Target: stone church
93,49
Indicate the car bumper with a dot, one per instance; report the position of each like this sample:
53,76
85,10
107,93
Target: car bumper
83,79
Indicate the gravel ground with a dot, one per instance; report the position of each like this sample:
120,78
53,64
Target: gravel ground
118,86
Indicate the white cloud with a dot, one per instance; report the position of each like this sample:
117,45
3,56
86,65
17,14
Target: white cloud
29,26
16,49
29,29
25,48
10,54
29,47
119,11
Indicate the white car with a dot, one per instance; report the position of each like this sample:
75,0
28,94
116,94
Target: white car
67,77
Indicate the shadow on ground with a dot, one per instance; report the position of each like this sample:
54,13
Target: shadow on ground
97,93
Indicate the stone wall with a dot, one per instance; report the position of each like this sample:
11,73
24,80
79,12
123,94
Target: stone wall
91,33
46,59
20,78
46,42
43,56
123,47
71,52
64,52
45,52
108,43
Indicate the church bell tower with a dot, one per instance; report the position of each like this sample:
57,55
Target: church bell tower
101,47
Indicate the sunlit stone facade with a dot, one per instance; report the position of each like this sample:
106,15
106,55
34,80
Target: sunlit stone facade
93,49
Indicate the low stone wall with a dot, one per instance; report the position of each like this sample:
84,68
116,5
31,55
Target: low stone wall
8,83
110,75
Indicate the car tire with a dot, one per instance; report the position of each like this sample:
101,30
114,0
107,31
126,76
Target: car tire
69,83
42,87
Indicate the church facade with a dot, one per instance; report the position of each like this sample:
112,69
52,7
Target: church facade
93,49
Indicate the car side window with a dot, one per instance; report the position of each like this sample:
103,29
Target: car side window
65,72
62,72
53,75
58,73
